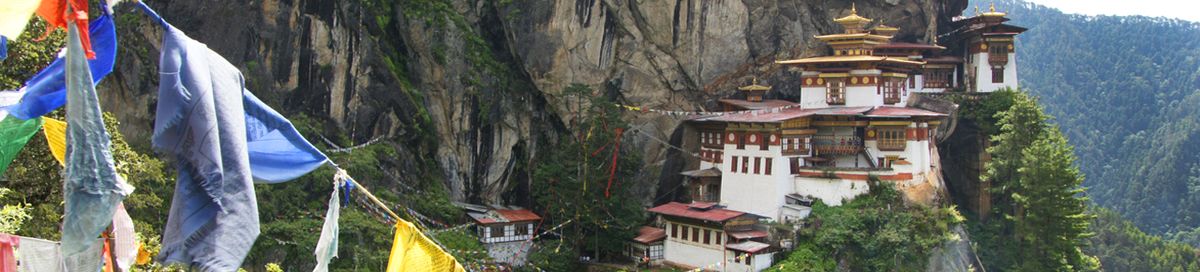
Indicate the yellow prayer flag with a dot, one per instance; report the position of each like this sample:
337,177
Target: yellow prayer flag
412,251
56,138
14,15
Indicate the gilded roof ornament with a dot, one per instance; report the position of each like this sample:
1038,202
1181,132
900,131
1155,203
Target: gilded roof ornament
853,23
755,87
992,12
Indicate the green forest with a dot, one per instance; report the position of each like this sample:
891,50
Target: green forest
1124,89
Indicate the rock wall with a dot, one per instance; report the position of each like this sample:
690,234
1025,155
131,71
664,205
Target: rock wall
474,87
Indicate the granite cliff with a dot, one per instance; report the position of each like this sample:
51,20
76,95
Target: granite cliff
469,91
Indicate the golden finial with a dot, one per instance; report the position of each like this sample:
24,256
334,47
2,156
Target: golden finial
977,10
992,8
755,80
853,10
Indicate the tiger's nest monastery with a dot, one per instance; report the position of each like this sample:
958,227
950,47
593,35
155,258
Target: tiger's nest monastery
857,119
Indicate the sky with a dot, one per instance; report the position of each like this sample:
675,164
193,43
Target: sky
1180,9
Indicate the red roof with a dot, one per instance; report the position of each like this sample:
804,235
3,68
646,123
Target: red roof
519,215
902,112
750,234
749,105
701,205
682,210
505,216
784,114
647,234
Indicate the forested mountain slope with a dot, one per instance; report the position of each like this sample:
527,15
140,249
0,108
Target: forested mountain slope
1125,90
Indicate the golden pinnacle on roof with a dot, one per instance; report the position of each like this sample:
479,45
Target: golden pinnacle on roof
992,12
884,29
754,86
853,23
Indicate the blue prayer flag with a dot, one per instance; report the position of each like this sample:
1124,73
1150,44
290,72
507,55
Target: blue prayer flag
278,153
92,187
46,91
200,120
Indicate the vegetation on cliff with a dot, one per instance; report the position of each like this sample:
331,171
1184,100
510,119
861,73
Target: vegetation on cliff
873,232
577,184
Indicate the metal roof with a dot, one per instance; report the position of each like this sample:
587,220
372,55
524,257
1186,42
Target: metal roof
702,173
902,112
748,247
750,105
504,216
750,234
648,234
845,58
682,210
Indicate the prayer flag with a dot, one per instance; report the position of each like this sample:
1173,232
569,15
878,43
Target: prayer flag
14,16
327,244
92,187
278,152
14,133
124,238
55,12
46,91
56,138
412,251
200,120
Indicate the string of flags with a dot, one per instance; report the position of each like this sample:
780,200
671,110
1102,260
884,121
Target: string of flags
222,137
703,113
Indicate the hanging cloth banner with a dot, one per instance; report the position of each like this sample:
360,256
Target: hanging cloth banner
55,12
3,47
56,138
46,91
200,121
8,261
413,251
92,187
38,255
327,244
14,133
278,152
13,136
124,238
14,16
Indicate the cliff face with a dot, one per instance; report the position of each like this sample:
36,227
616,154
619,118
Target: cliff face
469,91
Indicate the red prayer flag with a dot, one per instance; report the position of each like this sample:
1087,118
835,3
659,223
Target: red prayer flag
55,13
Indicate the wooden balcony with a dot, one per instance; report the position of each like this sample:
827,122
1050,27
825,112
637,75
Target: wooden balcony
839,145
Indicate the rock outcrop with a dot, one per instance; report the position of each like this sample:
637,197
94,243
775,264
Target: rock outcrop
474,87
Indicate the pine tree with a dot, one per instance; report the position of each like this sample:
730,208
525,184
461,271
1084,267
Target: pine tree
1020,125
1055,220
571,181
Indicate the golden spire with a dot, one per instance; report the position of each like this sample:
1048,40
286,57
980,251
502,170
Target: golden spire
754,86
976,10
853,23
992,12
884,29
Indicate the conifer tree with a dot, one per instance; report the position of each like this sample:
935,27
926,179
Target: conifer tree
1055,220
1020,125
571,178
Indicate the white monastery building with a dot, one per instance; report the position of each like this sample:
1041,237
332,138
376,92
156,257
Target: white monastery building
769,160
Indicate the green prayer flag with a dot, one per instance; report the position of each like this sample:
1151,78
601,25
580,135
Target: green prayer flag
14,133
